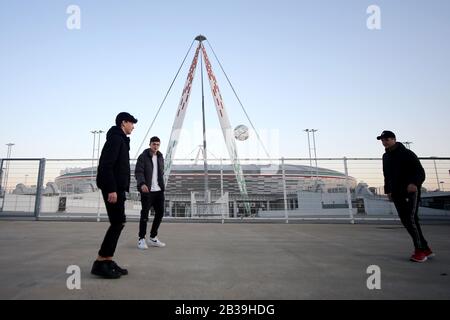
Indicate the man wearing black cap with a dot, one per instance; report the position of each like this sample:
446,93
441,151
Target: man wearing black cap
403,178
113,178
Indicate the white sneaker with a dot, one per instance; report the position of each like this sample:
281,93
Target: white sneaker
155,242
142,244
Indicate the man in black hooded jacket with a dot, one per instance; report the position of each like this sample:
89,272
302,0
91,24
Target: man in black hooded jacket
113,178
403,179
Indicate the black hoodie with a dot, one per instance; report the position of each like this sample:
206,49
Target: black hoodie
113,172
401,167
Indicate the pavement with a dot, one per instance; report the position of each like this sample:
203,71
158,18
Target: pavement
239,261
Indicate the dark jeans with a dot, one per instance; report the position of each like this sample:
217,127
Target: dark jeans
148,200
117,219
407,207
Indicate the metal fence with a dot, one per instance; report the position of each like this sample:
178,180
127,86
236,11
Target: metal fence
332,189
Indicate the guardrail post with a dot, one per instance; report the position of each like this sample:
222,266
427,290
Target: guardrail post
39,187
284,191
2,192
349,196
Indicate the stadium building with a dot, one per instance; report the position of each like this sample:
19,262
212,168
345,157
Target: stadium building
265,187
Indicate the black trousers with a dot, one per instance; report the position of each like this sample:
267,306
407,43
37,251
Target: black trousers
148,200
408,207
117,219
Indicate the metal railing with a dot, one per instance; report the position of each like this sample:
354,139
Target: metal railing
31,169
285,189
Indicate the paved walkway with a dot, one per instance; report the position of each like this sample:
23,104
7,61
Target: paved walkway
229,261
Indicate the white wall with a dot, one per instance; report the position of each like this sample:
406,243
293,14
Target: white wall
25,203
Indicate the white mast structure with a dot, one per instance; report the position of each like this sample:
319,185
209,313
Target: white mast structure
224,120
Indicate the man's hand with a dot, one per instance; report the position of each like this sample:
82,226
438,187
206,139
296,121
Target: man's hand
112,197
144,188
412,188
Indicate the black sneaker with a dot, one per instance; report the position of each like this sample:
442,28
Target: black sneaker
122,271
105,270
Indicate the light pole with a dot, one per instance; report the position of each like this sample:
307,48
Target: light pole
26,176
99,132
442,183
309,151
8,156
94,133
436,171
315,154
407,144
98,149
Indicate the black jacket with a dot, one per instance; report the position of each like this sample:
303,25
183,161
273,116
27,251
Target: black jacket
144,169
401,167
113,172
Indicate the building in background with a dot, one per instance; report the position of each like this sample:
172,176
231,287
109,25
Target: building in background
264,185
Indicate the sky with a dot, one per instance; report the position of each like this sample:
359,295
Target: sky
294,64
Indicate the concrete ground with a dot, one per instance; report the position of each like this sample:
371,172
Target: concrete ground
224,261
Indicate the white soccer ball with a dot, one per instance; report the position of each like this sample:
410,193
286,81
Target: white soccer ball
241,133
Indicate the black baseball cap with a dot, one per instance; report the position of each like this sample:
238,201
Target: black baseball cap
386,134
125,116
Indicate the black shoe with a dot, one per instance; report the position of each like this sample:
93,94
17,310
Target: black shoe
105,270
123,272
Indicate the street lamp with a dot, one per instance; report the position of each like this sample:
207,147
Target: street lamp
95,133
315,154
407,144
313,131
98,149
309,149
8,156
436,171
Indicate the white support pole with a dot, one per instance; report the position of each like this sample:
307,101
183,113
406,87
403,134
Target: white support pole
437,176
349,196
315,154
8,156
94,133
193,204
39,189
99,196
227,132
179,118
284,191
309,152
221,177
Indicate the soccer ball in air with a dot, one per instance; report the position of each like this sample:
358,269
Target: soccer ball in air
241,133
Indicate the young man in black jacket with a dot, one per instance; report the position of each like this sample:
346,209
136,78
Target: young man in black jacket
403,178
113,178
149,175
